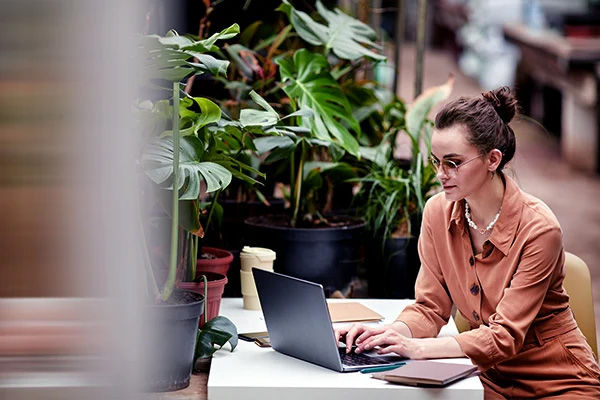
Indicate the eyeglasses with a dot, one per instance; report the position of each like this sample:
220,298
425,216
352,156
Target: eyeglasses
449,167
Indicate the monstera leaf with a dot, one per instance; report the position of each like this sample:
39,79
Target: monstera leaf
269,120
216,332
170,57
306,80
347,37
158,164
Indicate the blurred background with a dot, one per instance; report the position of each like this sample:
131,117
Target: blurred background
66,191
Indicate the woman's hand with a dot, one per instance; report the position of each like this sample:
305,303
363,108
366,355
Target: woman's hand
391,341
357,333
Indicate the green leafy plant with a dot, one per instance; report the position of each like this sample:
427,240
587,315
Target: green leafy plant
314,80
188,150
392,193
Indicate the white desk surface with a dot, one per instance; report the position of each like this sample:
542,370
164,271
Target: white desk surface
252,372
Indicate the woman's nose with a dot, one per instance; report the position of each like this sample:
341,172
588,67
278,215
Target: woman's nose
441,174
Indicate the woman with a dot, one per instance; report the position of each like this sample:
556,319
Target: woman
497,254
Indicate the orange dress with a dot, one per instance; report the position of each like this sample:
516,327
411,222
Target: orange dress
523,336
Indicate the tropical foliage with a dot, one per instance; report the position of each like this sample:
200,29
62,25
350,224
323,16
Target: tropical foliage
390,193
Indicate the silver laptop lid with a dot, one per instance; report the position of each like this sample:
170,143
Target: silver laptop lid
297,318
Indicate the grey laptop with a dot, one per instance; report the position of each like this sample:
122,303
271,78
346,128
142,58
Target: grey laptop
299,324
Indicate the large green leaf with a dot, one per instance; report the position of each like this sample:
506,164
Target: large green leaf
379,154
266,117
307,80
226,33
170,57
215,332
347,37
417,112
158,164
207,63
268,143
192,120
209,112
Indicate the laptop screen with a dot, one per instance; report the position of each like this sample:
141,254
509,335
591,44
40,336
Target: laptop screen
297,318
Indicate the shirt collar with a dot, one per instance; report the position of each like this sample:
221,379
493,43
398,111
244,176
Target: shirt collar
505,228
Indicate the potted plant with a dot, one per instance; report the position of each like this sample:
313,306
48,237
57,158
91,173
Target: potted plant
317,156
185,154
393,194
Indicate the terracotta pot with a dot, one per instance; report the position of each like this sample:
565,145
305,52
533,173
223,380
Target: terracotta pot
218,265
216,285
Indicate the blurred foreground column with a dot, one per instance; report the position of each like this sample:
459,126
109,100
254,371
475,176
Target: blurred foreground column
68,246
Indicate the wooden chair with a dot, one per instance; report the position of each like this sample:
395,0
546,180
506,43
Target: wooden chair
578,285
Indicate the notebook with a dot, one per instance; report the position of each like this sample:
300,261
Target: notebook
351,312
299,324
427,373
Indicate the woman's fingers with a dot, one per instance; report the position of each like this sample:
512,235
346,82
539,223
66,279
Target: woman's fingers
369,332
340,332
386,338
351,334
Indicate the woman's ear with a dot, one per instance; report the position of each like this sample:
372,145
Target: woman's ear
495,158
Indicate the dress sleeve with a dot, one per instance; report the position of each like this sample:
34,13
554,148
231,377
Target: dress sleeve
503,337
433,305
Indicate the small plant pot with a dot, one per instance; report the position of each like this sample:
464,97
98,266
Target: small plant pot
170,337
216,285
218,263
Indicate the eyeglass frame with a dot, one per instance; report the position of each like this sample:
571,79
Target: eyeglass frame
453,166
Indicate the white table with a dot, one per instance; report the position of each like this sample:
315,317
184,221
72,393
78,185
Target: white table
251,372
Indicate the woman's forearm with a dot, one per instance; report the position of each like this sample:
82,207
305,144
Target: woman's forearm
402,328
444,347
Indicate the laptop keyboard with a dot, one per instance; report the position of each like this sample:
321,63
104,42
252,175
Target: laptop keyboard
354,359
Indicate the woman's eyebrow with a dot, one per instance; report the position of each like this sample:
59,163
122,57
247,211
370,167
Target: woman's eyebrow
449,155
452,155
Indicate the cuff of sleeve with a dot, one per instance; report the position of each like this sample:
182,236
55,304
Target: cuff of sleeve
478,346
418,325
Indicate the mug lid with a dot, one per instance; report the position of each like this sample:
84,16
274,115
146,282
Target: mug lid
258,251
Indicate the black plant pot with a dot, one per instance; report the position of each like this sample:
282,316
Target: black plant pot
329,256
170,331
393,270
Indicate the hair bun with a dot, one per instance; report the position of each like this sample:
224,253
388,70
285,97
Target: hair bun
503,102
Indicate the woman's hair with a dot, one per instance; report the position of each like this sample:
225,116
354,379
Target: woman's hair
486,119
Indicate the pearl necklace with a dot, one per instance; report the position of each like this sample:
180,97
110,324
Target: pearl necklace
474,226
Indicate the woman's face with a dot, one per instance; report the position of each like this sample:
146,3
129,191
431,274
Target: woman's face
450,144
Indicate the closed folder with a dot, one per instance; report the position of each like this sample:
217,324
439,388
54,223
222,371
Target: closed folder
426,373
352,311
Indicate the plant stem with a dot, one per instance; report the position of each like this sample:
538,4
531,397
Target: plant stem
212,208
170,283
292,176
190,259
205,298
194,256
298,186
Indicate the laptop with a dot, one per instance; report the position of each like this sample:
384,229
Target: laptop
299,324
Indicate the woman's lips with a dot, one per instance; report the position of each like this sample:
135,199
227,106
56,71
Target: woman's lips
448,187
